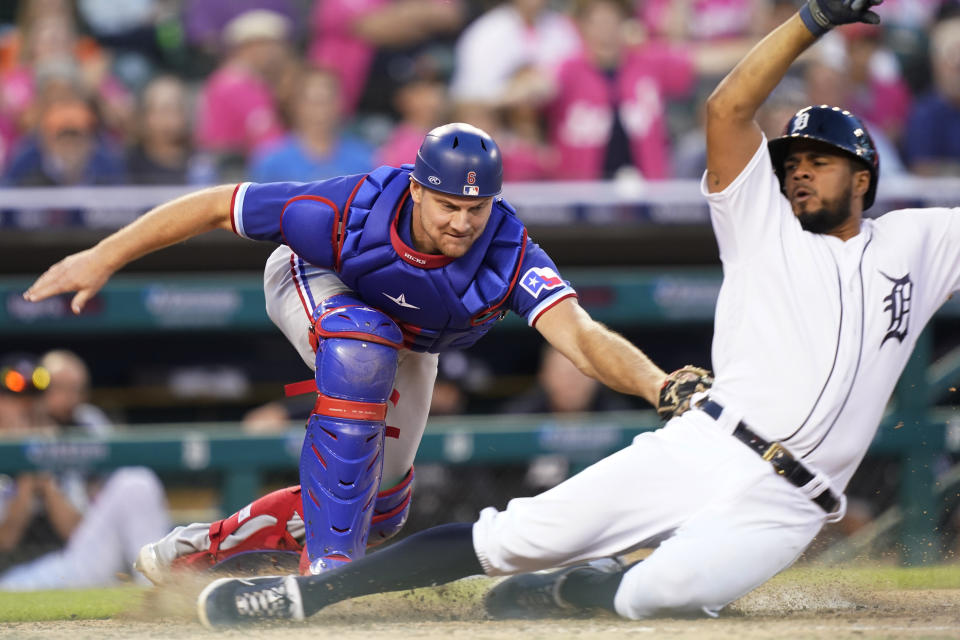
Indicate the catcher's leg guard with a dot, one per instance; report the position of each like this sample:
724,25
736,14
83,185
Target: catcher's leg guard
390,511
341,461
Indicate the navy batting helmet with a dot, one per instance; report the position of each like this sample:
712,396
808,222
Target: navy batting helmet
838,128
461,160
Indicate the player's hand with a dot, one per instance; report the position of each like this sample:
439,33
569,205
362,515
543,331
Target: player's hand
822,15
83,272
46,483
678,387
28,486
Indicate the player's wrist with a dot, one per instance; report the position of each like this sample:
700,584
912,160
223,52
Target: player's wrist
109,254
814,18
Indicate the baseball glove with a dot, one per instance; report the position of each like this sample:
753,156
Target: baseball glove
678,387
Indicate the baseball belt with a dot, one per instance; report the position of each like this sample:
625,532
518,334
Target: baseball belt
782,460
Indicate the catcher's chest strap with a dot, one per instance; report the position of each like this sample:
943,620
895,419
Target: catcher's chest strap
790,468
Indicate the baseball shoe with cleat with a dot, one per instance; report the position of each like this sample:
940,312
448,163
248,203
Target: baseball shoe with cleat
230,602
148,563
531,596
267,562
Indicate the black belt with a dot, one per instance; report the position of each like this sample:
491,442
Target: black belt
774,453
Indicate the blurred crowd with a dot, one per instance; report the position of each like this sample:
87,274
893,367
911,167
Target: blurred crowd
204,91
64,524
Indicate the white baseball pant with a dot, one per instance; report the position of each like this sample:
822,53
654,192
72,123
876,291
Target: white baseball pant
727,521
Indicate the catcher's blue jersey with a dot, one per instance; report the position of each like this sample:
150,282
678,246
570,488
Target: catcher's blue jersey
359,227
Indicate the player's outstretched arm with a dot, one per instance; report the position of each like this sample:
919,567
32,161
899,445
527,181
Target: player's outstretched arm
599,352
87,271
732,134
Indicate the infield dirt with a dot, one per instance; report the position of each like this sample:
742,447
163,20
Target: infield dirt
829,610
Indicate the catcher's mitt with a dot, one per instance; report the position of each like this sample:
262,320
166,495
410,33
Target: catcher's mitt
678,387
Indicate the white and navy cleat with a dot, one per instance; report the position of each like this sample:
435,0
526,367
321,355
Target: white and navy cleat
230,602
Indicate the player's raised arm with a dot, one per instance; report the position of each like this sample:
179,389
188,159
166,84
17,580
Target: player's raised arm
178,220
732,134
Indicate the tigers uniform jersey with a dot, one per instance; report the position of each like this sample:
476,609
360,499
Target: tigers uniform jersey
811,333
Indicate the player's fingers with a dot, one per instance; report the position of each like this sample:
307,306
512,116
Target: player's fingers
44,287
870,17
80,300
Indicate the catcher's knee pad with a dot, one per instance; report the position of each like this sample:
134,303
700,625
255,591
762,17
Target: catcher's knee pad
341,461
390,511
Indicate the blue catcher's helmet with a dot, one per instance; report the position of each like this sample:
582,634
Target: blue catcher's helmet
834,126
461,160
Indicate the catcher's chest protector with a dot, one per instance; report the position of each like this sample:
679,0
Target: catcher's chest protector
439,303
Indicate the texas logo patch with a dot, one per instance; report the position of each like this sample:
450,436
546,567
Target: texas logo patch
537,279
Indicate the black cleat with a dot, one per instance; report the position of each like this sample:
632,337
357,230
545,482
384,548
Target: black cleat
229,602
537,595
530,596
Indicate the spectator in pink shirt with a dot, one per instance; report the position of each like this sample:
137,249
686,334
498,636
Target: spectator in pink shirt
518,131
853,67
237,109
347,33
608,112
50,41
700,20
526,153
8,138
422,105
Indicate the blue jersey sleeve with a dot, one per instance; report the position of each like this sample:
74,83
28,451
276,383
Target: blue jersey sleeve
302,215
539,286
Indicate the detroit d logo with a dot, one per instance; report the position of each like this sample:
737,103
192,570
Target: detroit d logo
801,122
897,304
